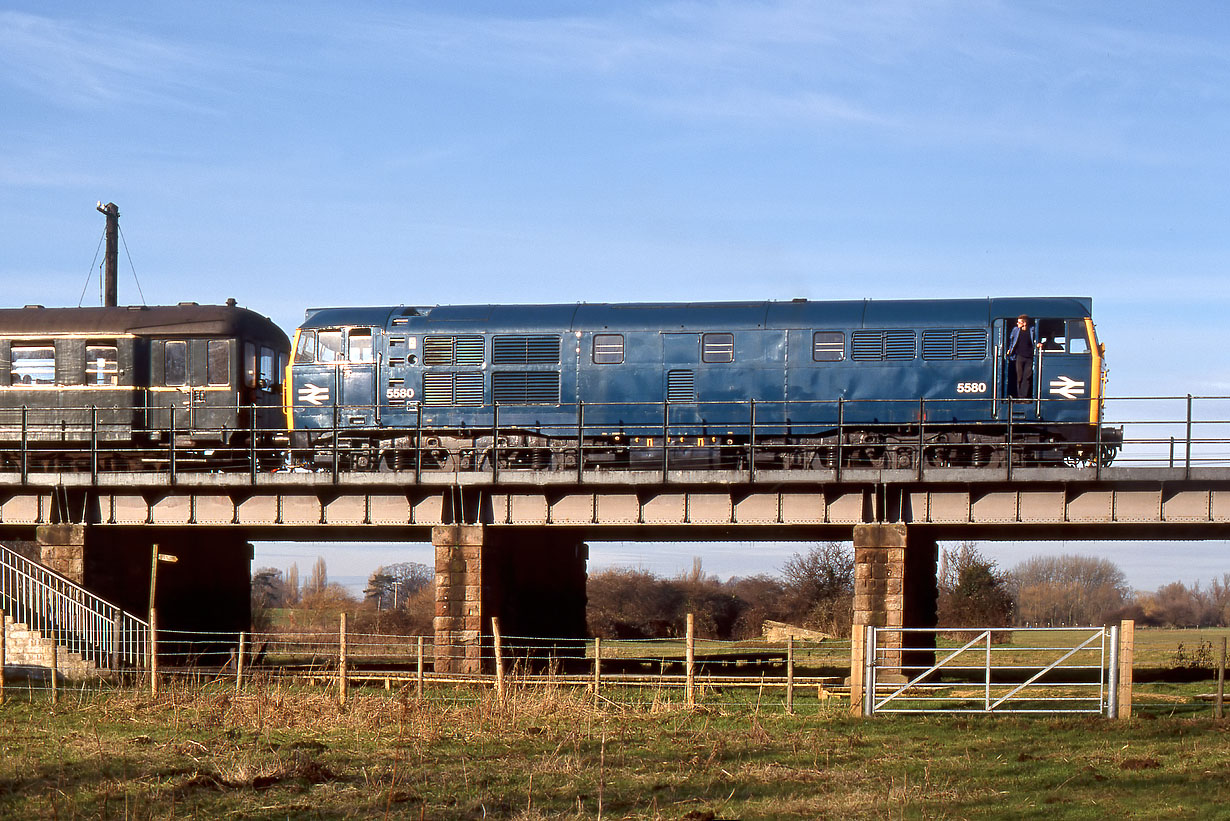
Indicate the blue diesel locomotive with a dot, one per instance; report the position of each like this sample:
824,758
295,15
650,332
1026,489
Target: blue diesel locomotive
800,384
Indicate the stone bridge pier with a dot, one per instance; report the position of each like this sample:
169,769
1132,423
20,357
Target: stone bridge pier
531,579
895,585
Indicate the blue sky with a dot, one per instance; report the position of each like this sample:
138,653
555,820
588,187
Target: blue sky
305,154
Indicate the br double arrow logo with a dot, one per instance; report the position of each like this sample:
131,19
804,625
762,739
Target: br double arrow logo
314,394
1067,387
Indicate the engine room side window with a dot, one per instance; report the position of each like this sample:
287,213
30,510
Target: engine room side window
329,346
218,362
33,365
101,365
608,349
175,363
828,346
717,348
305,350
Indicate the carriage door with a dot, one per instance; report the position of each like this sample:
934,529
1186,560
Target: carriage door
357,379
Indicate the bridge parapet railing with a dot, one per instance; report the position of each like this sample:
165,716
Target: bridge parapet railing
746,437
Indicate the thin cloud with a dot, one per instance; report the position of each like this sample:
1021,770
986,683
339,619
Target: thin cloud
79,65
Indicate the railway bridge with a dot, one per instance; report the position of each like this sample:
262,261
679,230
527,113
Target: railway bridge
512,543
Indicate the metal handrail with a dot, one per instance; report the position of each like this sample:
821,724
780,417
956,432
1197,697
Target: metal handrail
1182,432
69,615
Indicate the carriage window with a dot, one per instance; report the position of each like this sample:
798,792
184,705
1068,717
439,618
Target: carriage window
101,366
329,346
218,362
175,364
828,346
267,360
249,364
305,351
608,349
360,345
282,358
717,348
33,365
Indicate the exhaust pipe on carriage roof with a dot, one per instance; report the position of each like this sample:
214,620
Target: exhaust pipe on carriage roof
112,212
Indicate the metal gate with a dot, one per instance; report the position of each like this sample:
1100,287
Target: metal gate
991,670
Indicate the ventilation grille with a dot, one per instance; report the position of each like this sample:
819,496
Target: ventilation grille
881,345
525,350
452,388
452,350
533,388
949,345
680,386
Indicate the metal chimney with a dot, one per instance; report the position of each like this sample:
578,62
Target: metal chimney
111,264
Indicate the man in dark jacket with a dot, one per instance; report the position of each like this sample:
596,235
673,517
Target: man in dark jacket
1021,355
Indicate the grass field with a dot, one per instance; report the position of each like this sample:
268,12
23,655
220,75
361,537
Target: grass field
278,751
284,750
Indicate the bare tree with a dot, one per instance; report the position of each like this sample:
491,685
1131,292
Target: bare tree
973,592
820,587
1068,590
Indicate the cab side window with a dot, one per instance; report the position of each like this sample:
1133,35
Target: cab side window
360,347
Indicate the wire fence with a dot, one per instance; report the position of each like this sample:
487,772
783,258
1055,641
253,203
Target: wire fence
769,675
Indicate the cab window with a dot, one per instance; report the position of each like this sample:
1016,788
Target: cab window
249,364
360,345
305,350
329,346
266,365
1061,336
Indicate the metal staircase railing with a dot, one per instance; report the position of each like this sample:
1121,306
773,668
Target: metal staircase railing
69,615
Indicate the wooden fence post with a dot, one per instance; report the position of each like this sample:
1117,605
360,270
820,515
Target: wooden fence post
117,637
690,689
499,660
239,662
1127,648
153,652
341,662
55,672
790,674
419,678
4,640
858,649
597,666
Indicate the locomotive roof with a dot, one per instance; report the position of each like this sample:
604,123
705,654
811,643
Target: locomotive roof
141,320
701,315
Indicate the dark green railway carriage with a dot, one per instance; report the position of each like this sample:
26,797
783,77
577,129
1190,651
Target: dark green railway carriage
132,375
